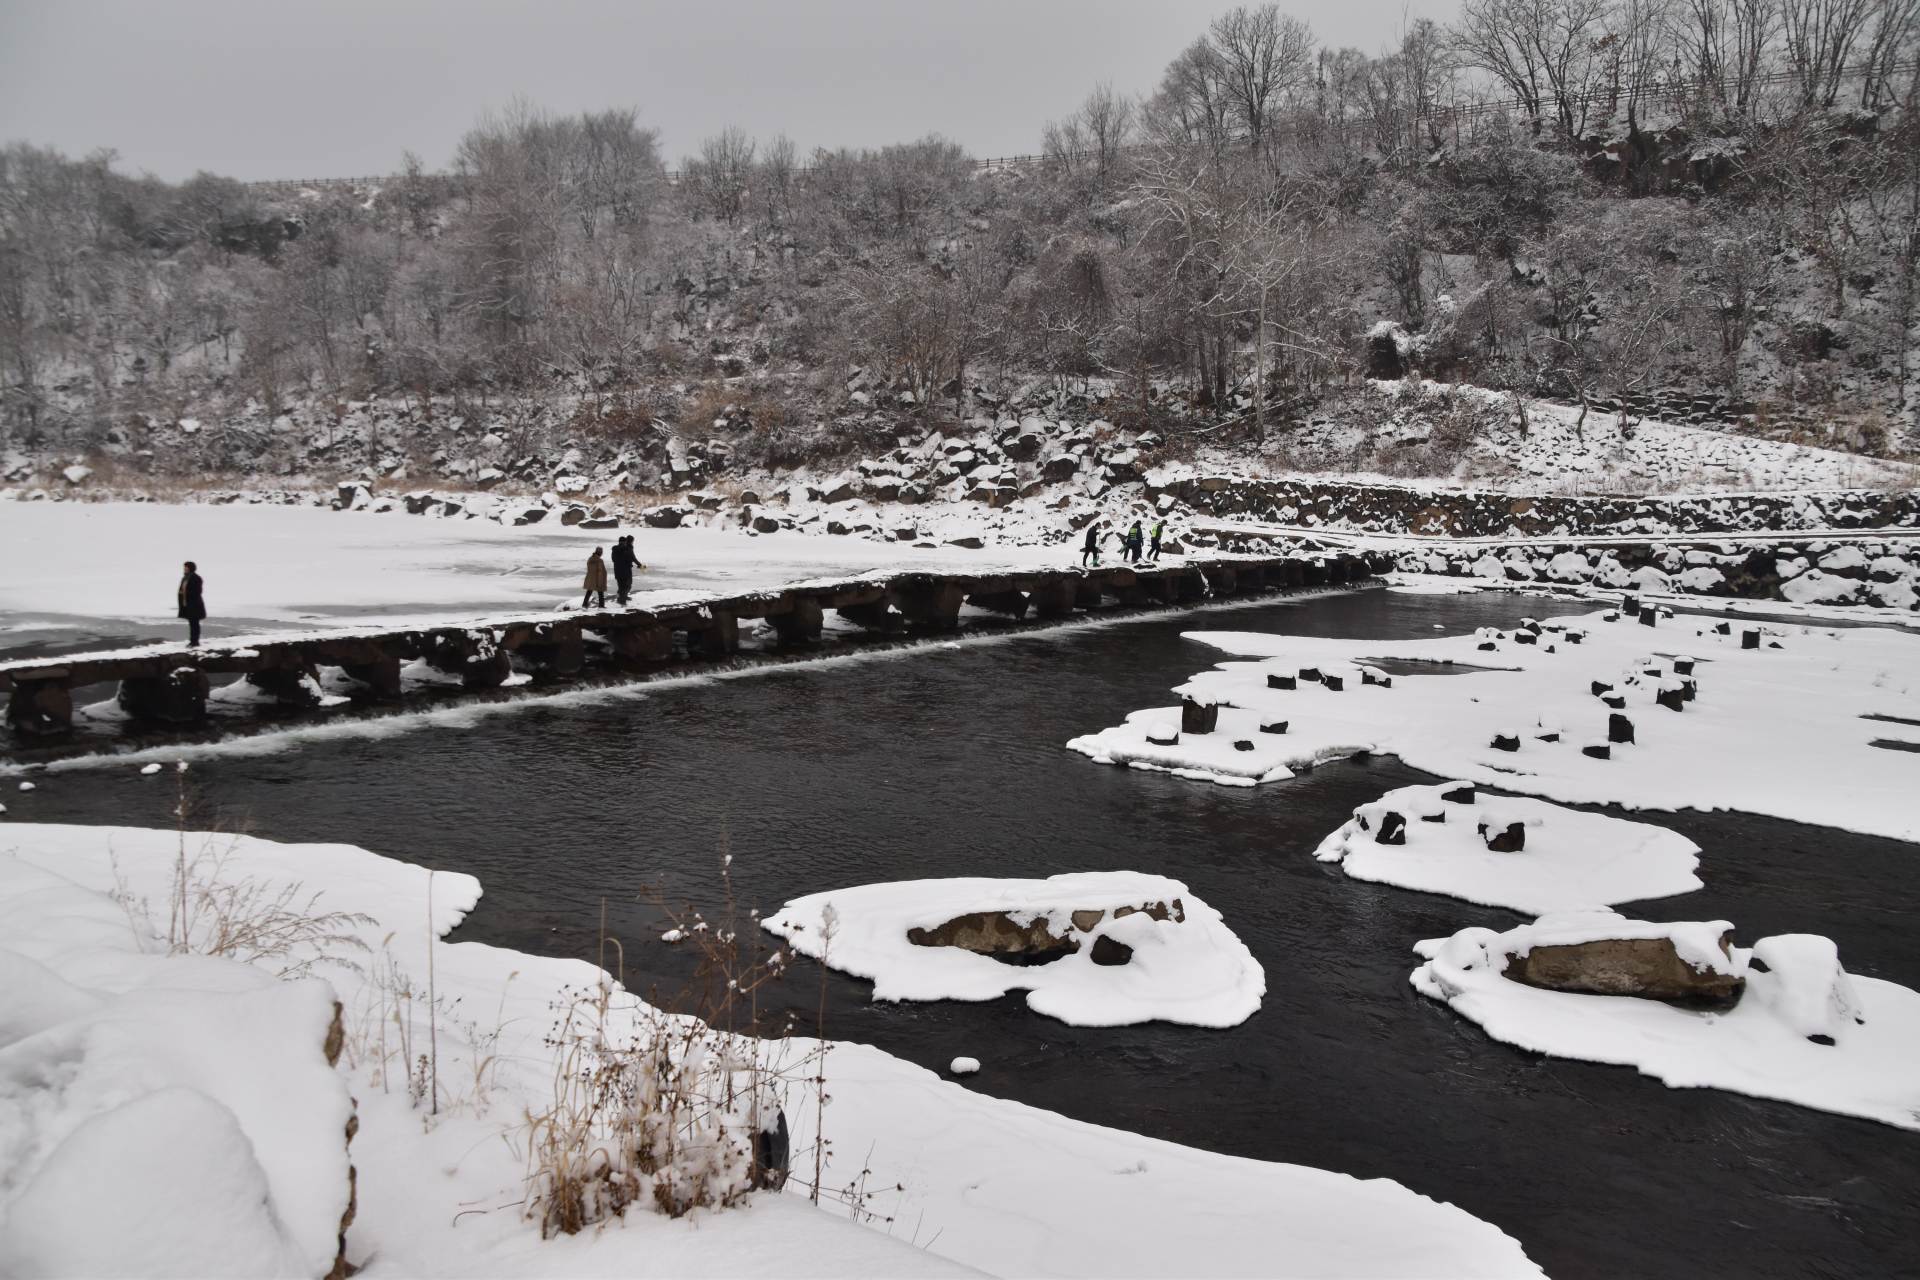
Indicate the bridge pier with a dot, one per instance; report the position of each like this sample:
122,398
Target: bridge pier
872,615
718,638
178,697
558,647
42,707
1010,602
1054,597
1222,579
289,686
474,654
800,625
641,646
1088,593
930,605
380,674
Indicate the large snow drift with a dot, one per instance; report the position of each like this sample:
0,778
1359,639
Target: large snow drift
1570,858
1762,1047
1191,969
159,1115
983,1183
1779,720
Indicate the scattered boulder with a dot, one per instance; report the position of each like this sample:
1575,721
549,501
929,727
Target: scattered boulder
1651,967
1198,717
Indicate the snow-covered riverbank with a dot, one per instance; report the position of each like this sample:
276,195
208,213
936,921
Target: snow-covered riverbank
981,1183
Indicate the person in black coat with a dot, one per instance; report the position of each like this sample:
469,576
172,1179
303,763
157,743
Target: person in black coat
193,603
624,561
1090,550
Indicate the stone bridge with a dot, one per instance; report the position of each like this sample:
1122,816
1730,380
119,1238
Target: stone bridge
169,684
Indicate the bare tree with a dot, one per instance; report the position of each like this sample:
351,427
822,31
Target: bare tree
1820,37
720,177
1193,106
777,178
1261,54
1544,52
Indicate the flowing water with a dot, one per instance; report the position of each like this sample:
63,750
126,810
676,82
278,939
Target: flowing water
949,761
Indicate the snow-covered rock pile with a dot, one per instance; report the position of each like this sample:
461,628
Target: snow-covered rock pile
1501,511
1883,572
1580,710
1108,948
1452,838
160,1114
1802,1029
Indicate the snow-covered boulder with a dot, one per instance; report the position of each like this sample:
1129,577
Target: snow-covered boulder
1804,1031
162,1114
1798,976
1109,948
1601,952
1434,838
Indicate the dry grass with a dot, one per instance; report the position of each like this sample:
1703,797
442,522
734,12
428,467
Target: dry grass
210,912
671,1110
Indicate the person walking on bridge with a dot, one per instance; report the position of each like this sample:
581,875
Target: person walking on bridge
1134,540
1153,548
1090,549
596,579
624,563
193,603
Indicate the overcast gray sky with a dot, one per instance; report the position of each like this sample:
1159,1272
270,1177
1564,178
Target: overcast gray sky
273,89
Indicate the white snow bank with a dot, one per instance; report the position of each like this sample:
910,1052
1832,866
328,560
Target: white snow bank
984,1183
1571,858
159,1114
1192,970
1780,729
1760,1047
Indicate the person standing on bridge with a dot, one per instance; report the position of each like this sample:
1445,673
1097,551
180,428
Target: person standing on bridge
596,579
1159,528
624,563
193,603
1090,549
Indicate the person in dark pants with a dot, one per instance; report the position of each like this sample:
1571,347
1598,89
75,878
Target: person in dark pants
624,562
1134,541
193,603
1090,549
596,579
1153,548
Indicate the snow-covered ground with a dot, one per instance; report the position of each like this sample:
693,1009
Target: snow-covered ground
983,1183
1862,1065
1787,728
99,563
1182,963
1435,838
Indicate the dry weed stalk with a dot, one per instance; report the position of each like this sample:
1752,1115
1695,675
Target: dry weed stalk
679,1107
211,912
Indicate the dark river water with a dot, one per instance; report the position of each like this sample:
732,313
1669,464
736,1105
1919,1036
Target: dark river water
949,761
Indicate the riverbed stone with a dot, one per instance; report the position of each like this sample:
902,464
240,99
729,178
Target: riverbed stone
1648,967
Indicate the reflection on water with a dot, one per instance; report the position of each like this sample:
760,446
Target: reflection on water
950,762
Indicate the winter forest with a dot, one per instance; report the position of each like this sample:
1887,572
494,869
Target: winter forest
1591,202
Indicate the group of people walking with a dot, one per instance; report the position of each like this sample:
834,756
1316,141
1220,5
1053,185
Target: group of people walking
625,561
1131,543
1135,544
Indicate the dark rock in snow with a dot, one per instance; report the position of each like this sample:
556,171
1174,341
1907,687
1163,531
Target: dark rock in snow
1511,838
1198,717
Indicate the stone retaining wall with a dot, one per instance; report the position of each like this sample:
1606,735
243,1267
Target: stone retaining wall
1392,509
